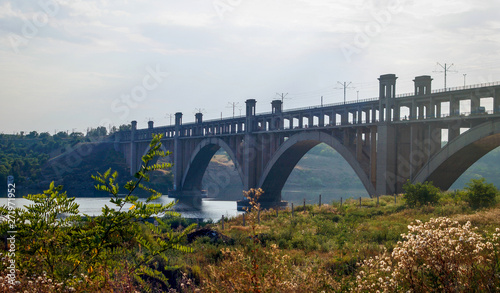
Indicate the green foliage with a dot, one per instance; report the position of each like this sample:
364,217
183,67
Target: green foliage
68,247
480,194
420,193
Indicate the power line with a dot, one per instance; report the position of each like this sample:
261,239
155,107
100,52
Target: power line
282,96
232,105
170,116
345,86
446,68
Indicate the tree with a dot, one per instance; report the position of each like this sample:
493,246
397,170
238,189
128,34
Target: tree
32,134
420,193
96,132
73,248
481,194
61,135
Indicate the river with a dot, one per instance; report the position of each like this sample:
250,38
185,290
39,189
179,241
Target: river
207,210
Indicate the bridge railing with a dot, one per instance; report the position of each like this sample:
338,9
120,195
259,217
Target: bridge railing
457,88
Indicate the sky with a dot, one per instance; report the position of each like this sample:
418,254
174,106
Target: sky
67,65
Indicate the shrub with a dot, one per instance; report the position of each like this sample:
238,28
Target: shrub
480,194
420,193
438,256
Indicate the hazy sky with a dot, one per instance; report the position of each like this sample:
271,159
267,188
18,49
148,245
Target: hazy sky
73,64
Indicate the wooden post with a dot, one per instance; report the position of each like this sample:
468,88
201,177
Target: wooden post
292,209
360,201
377,200
222,221
320,200
243,220
304,205
340,201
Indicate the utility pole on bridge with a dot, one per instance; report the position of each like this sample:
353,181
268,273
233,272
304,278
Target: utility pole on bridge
446,68
345,86
232,105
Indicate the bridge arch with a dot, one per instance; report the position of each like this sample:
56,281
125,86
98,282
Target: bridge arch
200,159
446,166
288,155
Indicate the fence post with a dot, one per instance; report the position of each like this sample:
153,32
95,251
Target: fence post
304,205
222,221
360,201
292,209
320,200
243,220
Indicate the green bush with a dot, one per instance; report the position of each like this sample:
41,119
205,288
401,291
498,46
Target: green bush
420,193
480,194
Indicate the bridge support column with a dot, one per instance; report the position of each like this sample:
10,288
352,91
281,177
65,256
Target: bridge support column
249,162
374,114
359,143
178,154
373,155
386,163
453,131
475,102
413,110
454,106
496,101
432,109
133,149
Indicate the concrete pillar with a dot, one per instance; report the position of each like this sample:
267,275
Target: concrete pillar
496,101
359,143
178,153
396,112
311,120
413,109
387,93
374,115
454,106
381,108
150,124
438,110
386,160
333,118
432,109
373,155
423,85
360,115
475,102
453,131
250,123
321,120
133,148
344,117
421,108
250,153
301,121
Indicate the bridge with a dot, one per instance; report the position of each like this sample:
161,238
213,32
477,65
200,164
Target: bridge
386,140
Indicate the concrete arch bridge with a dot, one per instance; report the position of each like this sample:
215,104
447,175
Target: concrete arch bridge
386,140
